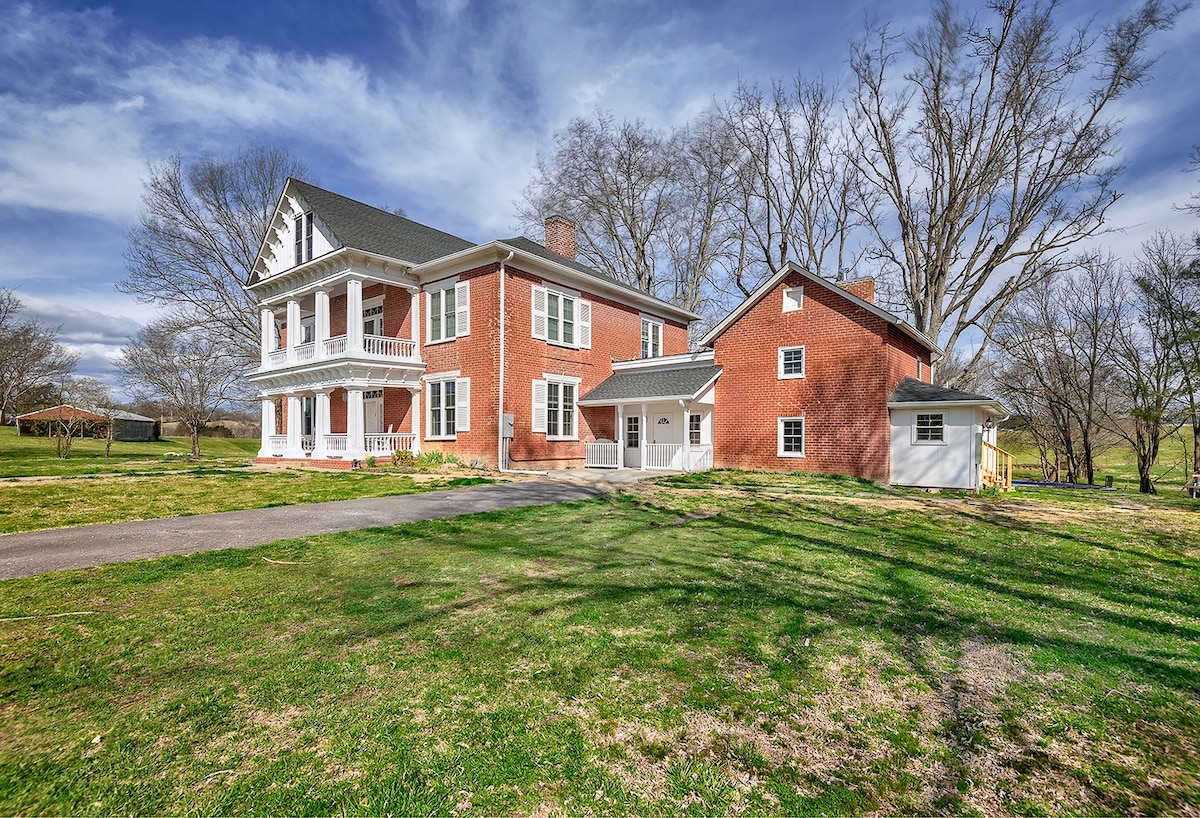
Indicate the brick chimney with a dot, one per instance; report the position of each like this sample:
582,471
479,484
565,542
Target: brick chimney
560,237
864,288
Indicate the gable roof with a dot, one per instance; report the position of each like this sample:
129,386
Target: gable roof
531,246
63,411
791,267
646,384
913,392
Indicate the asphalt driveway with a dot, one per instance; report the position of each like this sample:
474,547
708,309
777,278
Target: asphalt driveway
40,552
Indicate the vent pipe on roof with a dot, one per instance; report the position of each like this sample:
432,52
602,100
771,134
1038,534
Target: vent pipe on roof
560,236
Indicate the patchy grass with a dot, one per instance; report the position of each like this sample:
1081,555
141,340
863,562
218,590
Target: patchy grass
32,456
73,501
1172,469
685,648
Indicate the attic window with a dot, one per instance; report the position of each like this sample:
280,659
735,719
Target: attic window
793,299
304,238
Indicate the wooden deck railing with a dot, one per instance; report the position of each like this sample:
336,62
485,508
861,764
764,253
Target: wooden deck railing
996,468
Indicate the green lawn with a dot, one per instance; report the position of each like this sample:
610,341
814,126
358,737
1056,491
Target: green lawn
710,645
1171,470
29,456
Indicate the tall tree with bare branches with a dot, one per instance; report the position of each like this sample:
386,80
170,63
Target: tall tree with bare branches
989,140
32,361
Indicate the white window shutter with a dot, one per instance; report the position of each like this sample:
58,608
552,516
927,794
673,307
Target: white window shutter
462,405
428,316
462,302
539,406
539,314
585,324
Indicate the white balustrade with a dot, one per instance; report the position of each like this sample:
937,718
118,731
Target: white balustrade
388,443
306,352
701,457
336,346
602,454
277,443
308,443
335,443
663,455
277,357
374,345
388,347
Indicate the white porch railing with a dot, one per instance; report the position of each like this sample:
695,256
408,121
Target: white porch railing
389,347
277,357
277,443
306,352
700,457
663,455
335,346
388,443
335,444
308,443
602,454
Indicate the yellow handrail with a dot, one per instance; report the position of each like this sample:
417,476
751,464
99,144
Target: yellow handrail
995,468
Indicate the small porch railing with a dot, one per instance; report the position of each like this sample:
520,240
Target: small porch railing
700,457
277,357
663,455
602,454
995,470
389,347
388,443
335,346
335,444
306,352
277,443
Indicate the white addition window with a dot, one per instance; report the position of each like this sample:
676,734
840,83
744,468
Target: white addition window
931,427
448,311
791,362
554,409
633,432
562,318
793,299
693,430
304,238
791,437
651,338
448,406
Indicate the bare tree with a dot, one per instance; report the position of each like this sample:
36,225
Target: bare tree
189,370
80,401
796,191
987,139
199,234
32,361
1168,274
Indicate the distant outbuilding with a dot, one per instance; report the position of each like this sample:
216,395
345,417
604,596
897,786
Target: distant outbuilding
127,426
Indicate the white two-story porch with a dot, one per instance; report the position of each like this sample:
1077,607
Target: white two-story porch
663,414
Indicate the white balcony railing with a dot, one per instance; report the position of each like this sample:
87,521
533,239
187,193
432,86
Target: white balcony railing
306,352
336,346
277,357
335,444
402,349
663,455
602,454
388,443
277,443
389,347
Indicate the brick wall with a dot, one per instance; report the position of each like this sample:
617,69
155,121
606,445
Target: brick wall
850,370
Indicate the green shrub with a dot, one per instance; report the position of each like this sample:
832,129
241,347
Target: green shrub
404,458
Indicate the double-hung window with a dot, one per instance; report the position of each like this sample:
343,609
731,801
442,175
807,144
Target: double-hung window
304,237
651,338
448,311
693,430
554,409
930,428
791,437
791,362
562,318
448,406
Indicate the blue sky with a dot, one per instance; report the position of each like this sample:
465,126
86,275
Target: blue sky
439,108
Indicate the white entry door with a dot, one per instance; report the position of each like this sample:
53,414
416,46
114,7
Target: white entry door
373,416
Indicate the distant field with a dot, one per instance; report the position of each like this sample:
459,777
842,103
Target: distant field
28,456
1171,470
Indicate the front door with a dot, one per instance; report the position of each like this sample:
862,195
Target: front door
373,416
633,441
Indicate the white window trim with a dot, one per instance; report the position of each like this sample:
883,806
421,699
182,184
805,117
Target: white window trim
803,438
917,442
795,304
462,310
546,379
461,385
540,321
653,322
803,363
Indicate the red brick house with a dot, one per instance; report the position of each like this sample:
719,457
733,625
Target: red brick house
381,334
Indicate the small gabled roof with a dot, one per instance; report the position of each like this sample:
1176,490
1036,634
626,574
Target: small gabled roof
791,267
911,391
652,384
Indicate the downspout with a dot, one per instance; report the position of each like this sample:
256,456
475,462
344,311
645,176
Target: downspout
501,443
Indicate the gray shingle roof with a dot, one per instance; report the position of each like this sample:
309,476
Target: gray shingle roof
653,383
531,246
363,227
911,390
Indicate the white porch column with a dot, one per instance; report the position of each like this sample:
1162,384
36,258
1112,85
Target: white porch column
415,411
267,319
268,426
294,333
620,436
644,432
321,324
356,443
321,427
295,411
687,435
354,317
415,313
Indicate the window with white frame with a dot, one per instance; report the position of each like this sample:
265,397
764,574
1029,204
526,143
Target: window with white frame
448,312
651,338
304,237
554,409
633,432
793,299
562,318
791,362
448,406
308,330
693,430
791,437
373,318
930,427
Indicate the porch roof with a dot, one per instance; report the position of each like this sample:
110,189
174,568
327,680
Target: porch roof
646,385
912,392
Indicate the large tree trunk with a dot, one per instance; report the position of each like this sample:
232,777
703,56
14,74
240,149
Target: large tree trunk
195,432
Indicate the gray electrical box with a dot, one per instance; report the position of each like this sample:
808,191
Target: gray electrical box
506,426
